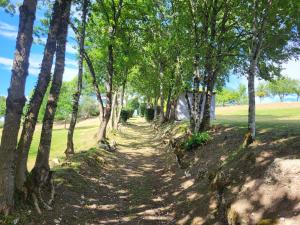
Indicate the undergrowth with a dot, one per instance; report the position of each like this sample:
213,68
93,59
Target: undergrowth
196,140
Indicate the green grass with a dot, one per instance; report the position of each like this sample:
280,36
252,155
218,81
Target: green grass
84,138
281,117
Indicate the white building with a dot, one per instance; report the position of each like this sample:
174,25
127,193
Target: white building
182,112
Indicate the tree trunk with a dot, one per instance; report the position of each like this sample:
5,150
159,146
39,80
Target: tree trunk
197,102
37,98
113,110
205,123
173,110
109,83
155,108
189,107
14,105
168,111
281,97
76,96
258,28
162,97
121,104
95,84
42,160
251,96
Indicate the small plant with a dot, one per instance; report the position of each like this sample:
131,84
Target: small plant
196,140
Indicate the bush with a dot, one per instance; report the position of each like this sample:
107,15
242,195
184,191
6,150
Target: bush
124,116
130,111
196,140
149,114
143,108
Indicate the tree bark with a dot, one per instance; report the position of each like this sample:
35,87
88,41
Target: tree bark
14,105
121,103
70,144
42,160
251,95
108,86
37,98
161,92
95,84
113,110
255,49
155,108
168,111
173,110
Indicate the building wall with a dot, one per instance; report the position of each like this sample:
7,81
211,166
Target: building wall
182,112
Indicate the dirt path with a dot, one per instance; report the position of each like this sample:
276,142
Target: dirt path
132,186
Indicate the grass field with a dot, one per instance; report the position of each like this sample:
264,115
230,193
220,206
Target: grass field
279,117
84,138
276,116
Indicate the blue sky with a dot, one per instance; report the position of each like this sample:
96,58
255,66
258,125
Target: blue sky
8,33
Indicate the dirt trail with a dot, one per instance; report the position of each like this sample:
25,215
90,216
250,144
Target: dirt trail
133,186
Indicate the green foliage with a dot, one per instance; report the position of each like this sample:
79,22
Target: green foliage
282,87
143,107
124,116
229,96
88,107
2,105
64,104
133,103
262,91
226,96
8,6
296,90
196,140
149,114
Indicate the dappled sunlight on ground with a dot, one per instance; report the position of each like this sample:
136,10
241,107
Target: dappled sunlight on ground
141,182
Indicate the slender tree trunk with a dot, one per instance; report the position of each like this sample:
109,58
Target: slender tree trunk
121,104
205,123
155,108
116,112
197,102
173,110
14,105
281,97
76,96
113,109
256,45
42,160
109,83
37,98
189,107
95,84
251,96
162,97
168,111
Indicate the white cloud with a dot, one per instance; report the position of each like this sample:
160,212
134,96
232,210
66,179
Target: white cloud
71,62
8,31
6,63
71,49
